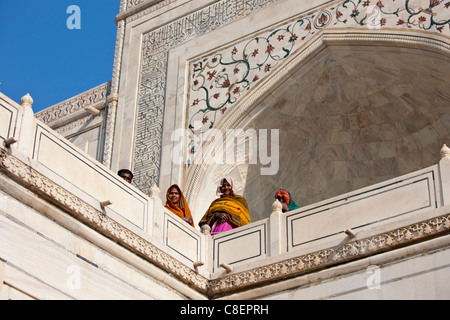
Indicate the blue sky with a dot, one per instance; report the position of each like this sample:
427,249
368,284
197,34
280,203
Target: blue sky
40,55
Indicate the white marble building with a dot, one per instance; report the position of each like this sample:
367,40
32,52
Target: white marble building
353,98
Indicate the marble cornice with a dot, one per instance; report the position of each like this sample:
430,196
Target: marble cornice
330,257
73,109
304,264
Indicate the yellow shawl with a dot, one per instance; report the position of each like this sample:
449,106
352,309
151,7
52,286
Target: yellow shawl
236,207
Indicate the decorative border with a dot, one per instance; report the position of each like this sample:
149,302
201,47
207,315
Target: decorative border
232,283
311,262
134,3
74,104
139,8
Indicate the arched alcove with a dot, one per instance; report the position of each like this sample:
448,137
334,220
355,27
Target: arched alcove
352,117
349,115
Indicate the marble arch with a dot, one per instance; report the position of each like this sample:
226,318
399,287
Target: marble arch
349,164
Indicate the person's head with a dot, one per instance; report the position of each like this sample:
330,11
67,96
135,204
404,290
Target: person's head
126,174
174,194
284,197
226,187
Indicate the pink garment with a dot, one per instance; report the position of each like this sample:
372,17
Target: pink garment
218,228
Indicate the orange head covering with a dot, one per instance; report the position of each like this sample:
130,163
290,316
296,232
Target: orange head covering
181,208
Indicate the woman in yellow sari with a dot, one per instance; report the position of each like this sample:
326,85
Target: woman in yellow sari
177,204
227,212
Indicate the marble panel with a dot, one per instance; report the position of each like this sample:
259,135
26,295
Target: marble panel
2,271
361,210
3,200
89,141
8,118
181,238
64,159
241,245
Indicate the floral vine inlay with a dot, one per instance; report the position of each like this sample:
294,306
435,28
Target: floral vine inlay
218,82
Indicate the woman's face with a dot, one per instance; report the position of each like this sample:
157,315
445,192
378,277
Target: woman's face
174,195
283,201
226,188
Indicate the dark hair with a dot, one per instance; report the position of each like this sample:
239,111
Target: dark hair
176,187
125,171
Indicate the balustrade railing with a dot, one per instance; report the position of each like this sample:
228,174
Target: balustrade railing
359,214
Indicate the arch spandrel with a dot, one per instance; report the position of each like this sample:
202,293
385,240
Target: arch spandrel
220,80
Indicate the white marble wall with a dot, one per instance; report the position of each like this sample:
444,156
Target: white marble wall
81,119
408,204
49,195
343,92
42,260
390,276
333,92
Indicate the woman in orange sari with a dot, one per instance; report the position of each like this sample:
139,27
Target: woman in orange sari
227,212
177,204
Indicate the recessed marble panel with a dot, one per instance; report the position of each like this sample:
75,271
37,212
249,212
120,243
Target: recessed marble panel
65,160
8,118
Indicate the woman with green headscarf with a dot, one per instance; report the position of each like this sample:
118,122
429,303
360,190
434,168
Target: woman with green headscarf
286,200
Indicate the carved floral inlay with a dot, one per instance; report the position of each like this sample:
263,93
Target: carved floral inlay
219,81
